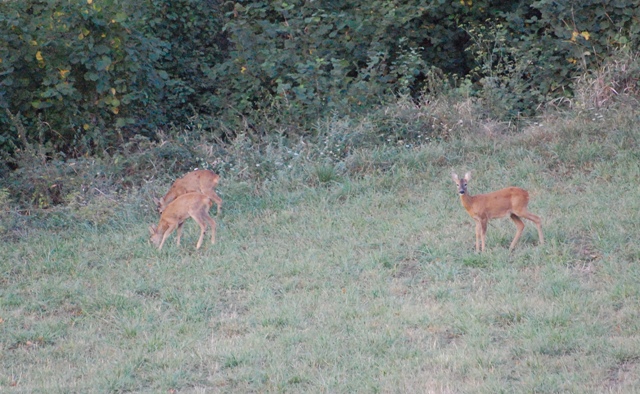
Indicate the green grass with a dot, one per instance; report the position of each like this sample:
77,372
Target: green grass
353,278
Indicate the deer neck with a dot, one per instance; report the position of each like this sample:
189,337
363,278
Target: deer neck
467,201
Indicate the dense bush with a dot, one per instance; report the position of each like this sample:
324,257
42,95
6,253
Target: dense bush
77,72
84,78
193,32
297,61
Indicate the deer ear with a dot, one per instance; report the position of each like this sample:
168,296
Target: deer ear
454,176
467,176
152,229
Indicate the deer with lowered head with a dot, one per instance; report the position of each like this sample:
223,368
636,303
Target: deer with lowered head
511,201
194,205
202,181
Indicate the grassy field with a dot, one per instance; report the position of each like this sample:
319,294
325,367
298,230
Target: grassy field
360,280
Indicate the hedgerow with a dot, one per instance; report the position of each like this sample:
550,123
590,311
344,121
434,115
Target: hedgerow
91,79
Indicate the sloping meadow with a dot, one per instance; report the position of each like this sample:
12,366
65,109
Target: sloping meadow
351,273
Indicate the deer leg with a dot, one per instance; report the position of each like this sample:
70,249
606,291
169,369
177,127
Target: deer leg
166,235
212,223
203,229
478,235
538,222
483,231
519,227
217,200
179,232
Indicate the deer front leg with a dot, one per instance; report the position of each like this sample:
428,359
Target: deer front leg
165,235
218,202
478,236
483,231
215,198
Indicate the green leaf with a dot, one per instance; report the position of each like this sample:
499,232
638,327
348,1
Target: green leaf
103,63
101,49
51,92
91,76
40,104
120,17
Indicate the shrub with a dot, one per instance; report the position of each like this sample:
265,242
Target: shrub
618,79
81,68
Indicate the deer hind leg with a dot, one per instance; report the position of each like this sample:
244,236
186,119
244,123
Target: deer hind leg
203,229
538,222
179,233
212,224
519,227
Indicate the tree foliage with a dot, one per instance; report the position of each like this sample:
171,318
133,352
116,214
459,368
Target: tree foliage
84,77
74,70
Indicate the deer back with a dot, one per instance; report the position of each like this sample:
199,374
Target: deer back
201,181
496,204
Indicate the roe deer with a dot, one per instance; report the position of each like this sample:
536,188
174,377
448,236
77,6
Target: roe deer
510,201
196,205
202,181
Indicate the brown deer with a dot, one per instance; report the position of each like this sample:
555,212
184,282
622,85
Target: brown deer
202,181
195,205
510,201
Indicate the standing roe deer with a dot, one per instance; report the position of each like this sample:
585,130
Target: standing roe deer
510,201
196,205
202,181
